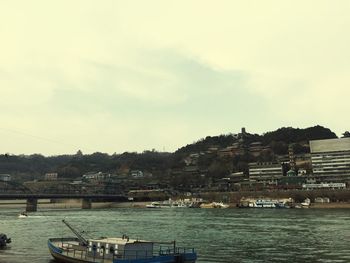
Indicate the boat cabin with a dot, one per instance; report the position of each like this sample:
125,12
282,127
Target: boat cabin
123,248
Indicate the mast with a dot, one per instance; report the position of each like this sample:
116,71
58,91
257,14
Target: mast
80,237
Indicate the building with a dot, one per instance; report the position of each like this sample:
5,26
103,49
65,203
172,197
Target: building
331,159
51,176
136,173
291,182
268,173
228,183
5,177
192,159
256,148
329,186
93,176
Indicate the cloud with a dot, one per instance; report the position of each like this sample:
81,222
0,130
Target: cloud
120,75
166,96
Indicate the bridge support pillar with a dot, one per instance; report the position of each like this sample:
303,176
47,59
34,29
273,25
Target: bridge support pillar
86,203
32,205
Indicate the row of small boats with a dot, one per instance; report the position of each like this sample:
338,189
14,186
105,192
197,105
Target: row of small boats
244,203
184,205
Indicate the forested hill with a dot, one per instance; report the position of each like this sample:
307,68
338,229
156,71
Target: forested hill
29,167
296,135
285,135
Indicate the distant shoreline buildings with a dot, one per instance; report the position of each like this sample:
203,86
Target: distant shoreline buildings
329,160
238,162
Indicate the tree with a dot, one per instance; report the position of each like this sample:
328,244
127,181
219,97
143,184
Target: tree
279,147
266,156
346,134
219,168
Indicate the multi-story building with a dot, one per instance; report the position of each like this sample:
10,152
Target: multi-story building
268,173
331,159
51,176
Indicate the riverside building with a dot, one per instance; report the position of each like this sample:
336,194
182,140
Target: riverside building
266,173
331,159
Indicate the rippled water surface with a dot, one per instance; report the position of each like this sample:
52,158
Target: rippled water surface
227,235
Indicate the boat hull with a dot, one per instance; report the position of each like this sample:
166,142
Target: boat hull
57,254
64,259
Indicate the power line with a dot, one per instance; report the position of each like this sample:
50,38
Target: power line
42,138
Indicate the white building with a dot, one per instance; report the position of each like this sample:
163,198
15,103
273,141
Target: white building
267,172
136,174
331,159
5,177
51,176
93,176
324,186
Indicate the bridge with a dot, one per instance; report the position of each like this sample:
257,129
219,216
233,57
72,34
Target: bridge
32,198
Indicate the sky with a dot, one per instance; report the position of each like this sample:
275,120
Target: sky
114,76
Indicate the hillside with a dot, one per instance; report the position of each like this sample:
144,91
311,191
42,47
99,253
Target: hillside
169,166
285,136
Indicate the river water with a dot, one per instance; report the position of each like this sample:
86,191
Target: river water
218,235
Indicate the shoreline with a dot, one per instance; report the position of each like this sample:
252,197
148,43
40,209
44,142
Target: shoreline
335,205
76,204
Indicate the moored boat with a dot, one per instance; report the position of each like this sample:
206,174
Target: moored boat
262,203
23,215
306,203
154,205
221,205
214,205
265,203
117,250
168,204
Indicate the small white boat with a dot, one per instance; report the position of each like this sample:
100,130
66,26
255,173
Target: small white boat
220,205
306,203
214,205
167,204
154,205
179,205
23,215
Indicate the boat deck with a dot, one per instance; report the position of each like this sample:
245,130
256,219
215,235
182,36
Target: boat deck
71,251
75,251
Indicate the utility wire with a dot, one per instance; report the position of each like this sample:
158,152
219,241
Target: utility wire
42,138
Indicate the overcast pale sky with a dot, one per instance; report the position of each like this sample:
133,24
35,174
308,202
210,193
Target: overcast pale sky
115,76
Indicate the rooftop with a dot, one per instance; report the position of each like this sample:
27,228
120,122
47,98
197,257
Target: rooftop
330,145
116,240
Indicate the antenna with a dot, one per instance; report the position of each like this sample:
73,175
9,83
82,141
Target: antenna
80,237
